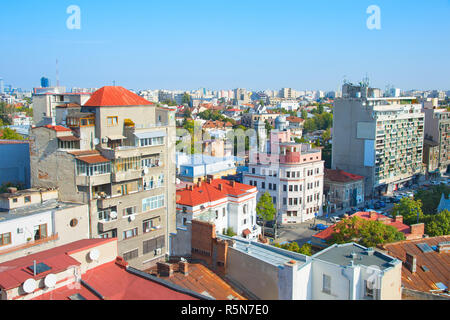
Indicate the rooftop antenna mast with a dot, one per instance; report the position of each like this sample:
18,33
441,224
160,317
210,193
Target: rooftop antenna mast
114,83
57,74
366,81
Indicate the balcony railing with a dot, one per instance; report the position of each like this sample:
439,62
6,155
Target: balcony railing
29,244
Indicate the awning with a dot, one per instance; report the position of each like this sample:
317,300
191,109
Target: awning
116,137
246,232
152,134
93,159
69,138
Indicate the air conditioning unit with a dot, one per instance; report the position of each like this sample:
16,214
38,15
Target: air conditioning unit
158,251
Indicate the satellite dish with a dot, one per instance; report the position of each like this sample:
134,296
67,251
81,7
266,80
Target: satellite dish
29,286
96,141
132,218
145,170
178,181
50,281
113,214
94,254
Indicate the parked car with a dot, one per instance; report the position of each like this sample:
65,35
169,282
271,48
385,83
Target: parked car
379,205
335,219
320,227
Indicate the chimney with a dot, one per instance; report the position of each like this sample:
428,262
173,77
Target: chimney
411,262
233,183
199,183
183,267
12,190
164,269
398,219
220,187
191,187
418,229
371,214
443,247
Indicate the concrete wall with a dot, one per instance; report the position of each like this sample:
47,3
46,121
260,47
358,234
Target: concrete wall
257,276
15,163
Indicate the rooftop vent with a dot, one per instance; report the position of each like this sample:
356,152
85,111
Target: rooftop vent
370,251
353,255
443,246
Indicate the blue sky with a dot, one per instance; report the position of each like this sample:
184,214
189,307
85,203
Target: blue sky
226,44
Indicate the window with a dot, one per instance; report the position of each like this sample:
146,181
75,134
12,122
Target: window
5,239
245,209
263,185
274,187
153,244
253,170
326,286
112,121
151,224
130,233
274,200
284,201
15,200
223,212
284,187
369,291
105,215
129,211
40,232
153,203
27,199
127,164
84,169
131,255
73,223
151,141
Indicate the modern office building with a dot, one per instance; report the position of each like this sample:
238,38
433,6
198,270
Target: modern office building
115,155
293,176
15,167
380,139
437,130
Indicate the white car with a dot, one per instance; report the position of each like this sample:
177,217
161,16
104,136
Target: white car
335,219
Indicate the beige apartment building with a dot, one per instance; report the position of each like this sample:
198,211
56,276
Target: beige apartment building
114,153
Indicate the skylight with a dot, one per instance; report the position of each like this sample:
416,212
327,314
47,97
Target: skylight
40,268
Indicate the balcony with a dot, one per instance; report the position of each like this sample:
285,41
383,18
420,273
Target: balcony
30,244
93,180
104,225
126,175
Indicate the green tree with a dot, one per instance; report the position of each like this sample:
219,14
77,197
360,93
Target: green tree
230,232
265,209
306,249
186,99
408,208
368,233
437,224
9,134
304,114
430,198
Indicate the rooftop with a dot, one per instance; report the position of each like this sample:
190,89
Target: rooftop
14,142
109,96
341,254
267,253
202,280
437,264
341,176
211,191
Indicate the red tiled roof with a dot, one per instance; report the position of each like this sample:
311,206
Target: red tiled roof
209,192
57,128
115,96
326,234
341,176
69,138
295,119
438,263
14,272
200,279
93,159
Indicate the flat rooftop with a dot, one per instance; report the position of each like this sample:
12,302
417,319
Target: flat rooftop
342,255
49,205
267,253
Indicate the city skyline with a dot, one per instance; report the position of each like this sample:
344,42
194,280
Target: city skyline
252,45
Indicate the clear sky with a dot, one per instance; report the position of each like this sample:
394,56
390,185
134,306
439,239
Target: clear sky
254,44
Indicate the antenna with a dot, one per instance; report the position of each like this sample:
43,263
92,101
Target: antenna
34,268
57,74
114,83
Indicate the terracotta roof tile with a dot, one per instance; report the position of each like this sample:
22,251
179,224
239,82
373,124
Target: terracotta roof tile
341,176
438,264
115,96
57,128
93,159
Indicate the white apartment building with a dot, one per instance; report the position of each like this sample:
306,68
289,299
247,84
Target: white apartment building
227,204
294,179
34,220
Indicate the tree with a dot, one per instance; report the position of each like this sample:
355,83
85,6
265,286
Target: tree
408,208
306,249
430,198
230,232
265,209
10,134
186,99
304,114
437,224
367,233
